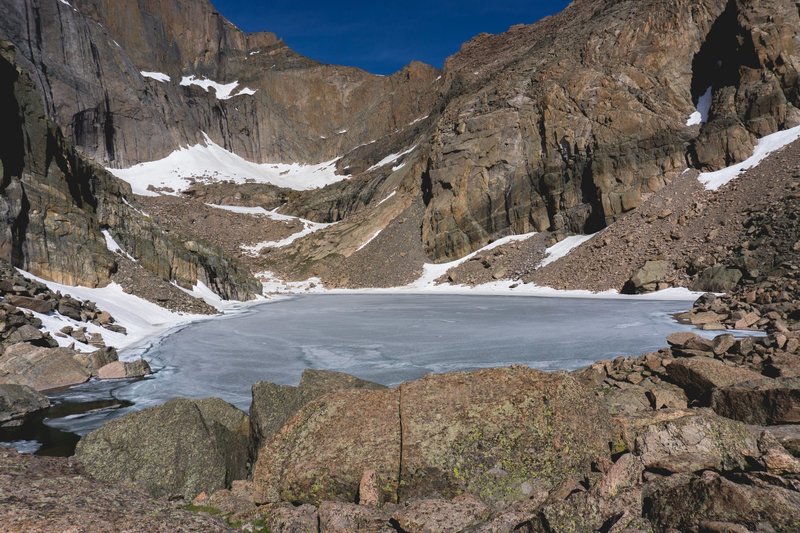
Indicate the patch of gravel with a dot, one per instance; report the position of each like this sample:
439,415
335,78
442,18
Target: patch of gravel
135,279
223,228
46,494
393,259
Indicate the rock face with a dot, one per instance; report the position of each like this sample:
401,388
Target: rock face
54,205
684,502
692,441
564,125
17,402
576,119
322,451
273,404
499,434
700,375
181,448
119,117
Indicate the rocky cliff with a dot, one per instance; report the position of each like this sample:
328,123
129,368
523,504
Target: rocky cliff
562,126
87,59
55,205
565,126
571,122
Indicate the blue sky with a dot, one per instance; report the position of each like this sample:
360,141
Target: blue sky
378,36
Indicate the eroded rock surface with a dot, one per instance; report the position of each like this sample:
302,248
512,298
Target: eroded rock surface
179,449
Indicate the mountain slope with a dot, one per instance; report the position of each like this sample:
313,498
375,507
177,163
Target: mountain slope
61,213
566,125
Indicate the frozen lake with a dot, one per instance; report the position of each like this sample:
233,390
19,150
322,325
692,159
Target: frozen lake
384,338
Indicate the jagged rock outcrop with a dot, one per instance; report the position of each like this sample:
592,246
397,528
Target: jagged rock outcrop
54,205
86,57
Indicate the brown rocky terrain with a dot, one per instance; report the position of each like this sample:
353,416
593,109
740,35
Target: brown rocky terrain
572,125
44,494
571,122
534,129
567,126
748,225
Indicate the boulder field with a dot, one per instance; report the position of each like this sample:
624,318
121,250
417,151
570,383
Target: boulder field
32,357
699,436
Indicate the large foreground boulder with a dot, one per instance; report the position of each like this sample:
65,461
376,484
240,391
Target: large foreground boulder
274,404
181,448
501,434
699,376
764,402
322,451
19,401
41,368
690,503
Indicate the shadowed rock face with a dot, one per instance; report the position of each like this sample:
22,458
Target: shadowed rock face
571,122
54,204
87,62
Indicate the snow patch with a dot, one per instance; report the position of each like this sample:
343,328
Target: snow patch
388,197
420,119
66,3
766,146
242,210
369,240
224,91
208,162
158,76
113,247
391,158
274,285
202,292
703,107
126,202
309,226
563,248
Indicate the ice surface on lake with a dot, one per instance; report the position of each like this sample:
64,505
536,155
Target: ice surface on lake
388,339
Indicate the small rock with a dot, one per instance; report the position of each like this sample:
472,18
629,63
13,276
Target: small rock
123,370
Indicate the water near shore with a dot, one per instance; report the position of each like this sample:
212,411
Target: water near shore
384,338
